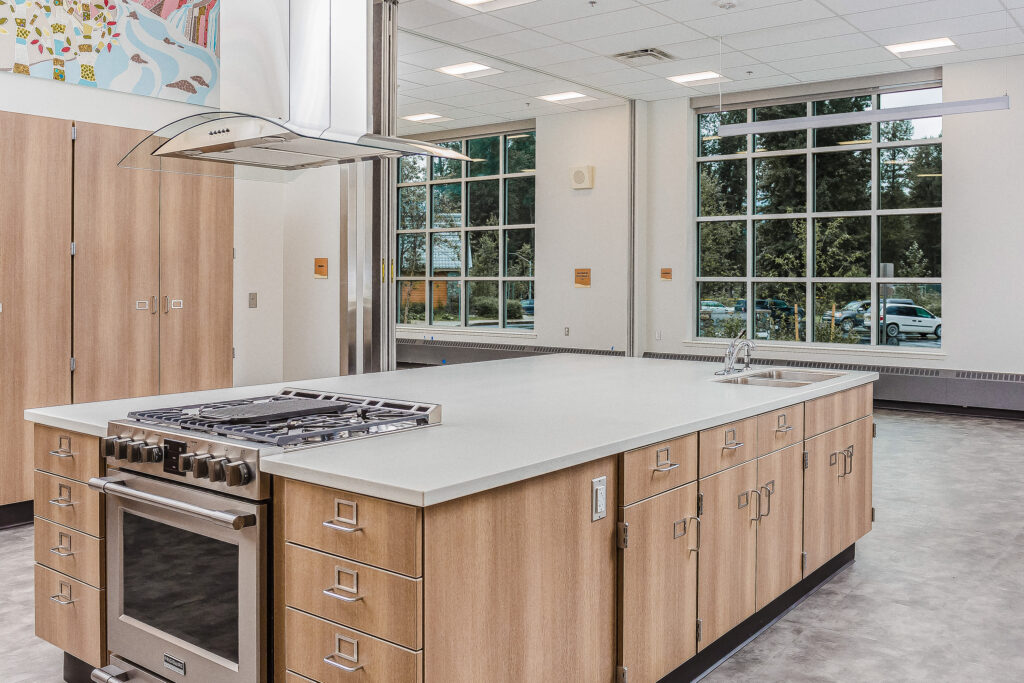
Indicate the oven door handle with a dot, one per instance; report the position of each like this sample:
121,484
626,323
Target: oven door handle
227,518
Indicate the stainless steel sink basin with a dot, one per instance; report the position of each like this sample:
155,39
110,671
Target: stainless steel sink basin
764,382
783,378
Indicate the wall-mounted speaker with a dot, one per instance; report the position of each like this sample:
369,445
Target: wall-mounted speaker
581,177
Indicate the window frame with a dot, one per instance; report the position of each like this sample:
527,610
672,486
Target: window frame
810,216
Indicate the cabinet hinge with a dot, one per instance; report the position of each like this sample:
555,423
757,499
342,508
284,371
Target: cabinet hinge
74,132
234,254
874,431
700,504
232,351
699,634
622,675
622,539
803,561
73,364
805,459
74,248
872,514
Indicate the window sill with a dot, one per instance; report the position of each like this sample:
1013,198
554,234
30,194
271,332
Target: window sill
426,332
813,349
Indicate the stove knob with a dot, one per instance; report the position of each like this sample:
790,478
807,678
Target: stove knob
217,466
237,473
109,447
152,453
123,448
201,466
186,461
135,450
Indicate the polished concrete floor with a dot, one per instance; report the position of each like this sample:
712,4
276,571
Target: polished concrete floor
936,593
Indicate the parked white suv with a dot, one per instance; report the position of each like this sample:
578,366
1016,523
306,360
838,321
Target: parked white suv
907,319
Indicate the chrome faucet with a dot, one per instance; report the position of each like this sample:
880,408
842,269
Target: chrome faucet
732,353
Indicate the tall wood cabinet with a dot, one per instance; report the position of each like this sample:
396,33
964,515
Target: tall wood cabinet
35,285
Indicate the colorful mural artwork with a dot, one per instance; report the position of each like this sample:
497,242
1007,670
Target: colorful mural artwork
160,48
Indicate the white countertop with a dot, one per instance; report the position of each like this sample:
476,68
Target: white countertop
501,421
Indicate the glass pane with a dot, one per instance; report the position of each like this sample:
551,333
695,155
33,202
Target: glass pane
912,315
482,304
842,247
519,253
710,143
486,156
842,181
723,188
447,168
482,198
482,253
910,177
723,249
773,142
916,129
910,246
521,153
781,184
839,312
446,254
412,297
779,314
412,255
201,612
780,248
412,208
412,169
519,201
444,303
446,205
519,305
842,135
721,309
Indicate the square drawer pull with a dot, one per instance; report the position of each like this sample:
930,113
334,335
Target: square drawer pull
63,449
64,597
676,533
63,498
354,657
337,527
731,444
664,464
63,548
339,517
329,659
782,424
333,591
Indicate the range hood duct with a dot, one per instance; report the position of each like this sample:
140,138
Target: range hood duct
296,89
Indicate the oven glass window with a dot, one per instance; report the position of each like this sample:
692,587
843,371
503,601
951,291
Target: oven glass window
182,583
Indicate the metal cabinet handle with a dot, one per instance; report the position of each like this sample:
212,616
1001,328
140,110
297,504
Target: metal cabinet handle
666,467
156,307
337,527
758,494
675,528
61,454
225,518
840,457
732,446
697,549
784,428
849,459
666,464
62,450
329,592
63,499
62,599
167,304
61,551
329,659
768,495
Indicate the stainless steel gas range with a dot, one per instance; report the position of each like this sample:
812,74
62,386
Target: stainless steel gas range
187,523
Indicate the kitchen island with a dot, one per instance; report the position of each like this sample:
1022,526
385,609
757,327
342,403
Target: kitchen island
572,517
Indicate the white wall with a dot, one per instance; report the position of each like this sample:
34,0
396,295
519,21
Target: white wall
312,307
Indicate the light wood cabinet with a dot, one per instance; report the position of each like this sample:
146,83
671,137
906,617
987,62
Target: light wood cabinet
35,285
649,471
69,503
855,487
780,428
658,584
727,446
728,550
67,454
71,615
780,524
70,552
835,410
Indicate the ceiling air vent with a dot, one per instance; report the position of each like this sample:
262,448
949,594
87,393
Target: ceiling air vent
644,57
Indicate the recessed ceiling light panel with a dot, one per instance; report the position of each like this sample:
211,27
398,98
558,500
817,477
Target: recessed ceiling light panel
468,70
921,48
425,118
491,5
566,97
699,78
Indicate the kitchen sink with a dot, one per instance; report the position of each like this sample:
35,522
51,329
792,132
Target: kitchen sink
782,378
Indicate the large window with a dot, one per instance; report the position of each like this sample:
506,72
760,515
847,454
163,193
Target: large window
466,254
804,235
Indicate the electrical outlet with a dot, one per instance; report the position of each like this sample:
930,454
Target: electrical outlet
598,498
657,335
566,331
252,299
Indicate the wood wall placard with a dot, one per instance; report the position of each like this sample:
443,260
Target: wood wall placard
666,273
582,277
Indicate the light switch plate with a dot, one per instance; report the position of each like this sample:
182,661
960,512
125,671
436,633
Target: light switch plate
598,498
252,299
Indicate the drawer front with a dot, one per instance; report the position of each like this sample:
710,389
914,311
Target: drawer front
649,471
292,677
728,445
71,615
318,649
780,428
70,552
69,454
368,530
69,503
829,412
381,603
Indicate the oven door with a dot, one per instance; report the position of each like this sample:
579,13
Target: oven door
186,580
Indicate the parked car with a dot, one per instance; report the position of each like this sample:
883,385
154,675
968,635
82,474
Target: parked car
907,319
715,307
849,316
527,306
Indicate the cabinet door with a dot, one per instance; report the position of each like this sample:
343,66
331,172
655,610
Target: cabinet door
728,551
196,236
117,268
35,285
658,611
779,531
821,499
855,487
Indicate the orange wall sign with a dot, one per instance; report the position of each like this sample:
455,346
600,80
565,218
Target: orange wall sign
582,277
666,273
319,268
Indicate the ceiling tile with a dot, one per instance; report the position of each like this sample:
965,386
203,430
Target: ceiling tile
811,48
921,12
511,78
992,21
606,24
969,56
640,87
975,41
869,56
517,41
441,56
549,87
1018,14
750,20
626,41
545,12
549,55
534,107
445,90
781,35
689,66
583,67
419,13
490,96
469,28
426,77
617,77
694,48
852,6
688,10
852,71
409,43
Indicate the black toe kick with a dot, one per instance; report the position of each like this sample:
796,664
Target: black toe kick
76,671
723,648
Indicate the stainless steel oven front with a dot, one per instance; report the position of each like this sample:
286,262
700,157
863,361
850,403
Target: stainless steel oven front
186,580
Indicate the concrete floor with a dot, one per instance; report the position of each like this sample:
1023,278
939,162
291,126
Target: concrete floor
936,593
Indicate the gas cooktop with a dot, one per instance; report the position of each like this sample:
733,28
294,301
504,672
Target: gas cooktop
295,417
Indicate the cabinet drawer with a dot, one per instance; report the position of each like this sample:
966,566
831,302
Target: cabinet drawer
728,445
317,649
71,615
292,677
70,552
649,471
386,605
780,428
369,530
829,412
69,503
69,454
